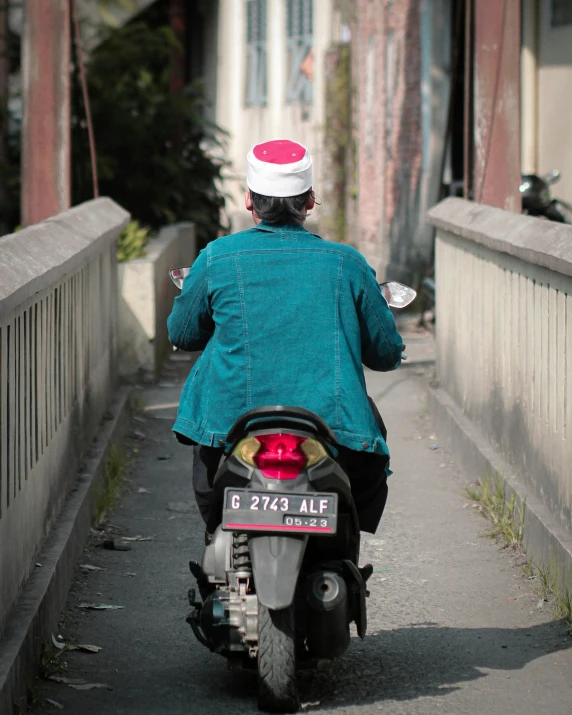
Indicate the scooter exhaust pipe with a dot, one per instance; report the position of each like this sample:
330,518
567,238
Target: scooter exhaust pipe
328,633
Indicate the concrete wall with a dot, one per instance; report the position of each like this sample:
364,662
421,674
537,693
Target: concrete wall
58,358
251,125
146,299
504,338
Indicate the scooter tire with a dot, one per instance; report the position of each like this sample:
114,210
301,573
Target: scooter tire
277,686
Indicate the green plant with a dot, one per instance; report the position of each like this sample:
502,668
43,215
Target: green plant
562,600
132,242
555,587
109,491
528,569
155,148
507,523
506,516
137,404
49,662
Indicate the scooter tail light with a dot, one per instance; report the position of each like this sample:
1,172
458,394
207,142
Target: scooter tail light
280,456
314,451
246,449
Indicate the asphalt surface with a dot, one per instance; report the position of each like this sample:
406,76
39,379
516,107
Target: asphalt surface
454,626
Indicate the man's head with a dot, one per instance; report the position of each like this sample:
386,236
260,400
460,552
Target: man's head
280,182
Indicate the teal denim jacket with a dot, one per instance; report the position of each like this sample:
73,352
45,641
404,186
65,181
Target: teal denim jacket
283,318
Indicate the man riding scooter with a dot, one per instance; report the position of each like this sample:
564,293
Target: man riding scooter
283,317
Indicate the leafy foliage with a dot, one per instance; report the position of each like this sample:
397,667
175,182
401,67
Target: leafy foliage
151,143
10,176
132,242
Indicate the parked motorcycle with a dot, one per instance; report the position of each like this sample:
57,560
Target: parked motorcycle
537,199
279,581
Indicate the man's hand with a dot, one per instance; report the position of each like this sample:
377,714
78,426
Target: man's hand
403,353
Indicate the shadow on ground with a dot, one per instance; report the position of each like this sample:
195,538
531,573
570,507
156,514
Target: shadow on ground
422,660
429,660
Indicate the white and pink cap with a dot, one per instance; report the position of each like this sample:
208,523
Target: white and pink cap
279,168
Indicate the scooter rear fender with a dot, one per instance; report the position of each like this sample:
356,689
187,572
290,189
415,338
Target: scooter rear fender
276,564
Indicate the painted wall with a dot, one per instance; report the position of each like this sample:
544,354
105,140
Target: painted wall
401,55
250,125
496,104
521,279
58,369
555,101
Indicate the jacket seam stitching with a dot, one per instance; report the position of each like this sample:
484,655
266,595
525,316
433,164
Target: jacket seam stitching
245,331
337,346
378,320
191,311
264,251
209,260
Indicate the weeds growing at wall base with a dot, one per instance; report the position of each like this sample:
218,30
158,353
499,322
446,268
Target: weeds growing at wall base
137,404
507,525
505,515
109,491
556,588
49,662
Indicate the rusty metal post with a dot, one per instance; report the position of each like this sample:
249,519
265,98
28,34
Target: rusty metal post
496,87
46,124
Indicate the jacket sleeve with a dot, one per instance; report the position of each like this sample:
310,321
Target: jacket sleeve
190,324
381,344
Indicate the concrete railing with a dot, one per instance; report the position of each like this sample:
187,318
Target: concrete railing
146,299
504,340
58,356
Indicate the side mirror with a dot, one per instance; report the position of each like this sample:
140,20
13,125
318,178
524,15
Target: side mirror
178,275
552,177
397,294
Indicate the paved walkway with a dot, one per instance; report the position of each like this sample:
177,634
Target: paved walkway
454,627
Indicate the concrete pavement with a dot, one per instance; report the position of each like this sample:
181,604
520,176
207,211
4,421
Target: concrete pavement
454,627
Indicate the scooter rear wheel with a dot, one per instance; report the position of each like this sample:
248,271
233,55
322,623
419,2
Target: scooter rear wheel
277,686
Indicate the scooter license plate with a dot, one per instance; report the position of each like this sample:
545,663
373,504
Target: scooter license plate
308,513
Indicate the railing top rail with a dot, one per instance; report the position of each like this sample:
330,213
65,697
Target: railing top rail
534,240
39,255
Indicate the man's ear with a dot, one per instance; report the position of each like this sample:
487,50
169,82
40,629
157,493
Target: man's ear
311,202
248,201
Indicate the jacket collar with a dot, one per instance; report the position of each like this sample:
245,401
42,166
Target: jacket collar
293,227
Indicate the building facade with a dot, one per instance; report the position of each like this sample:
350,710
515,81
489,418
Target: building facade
401,57
546,73
453,97
263,67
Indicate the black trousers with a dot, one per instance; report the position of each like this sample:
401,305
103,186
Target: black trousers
365,470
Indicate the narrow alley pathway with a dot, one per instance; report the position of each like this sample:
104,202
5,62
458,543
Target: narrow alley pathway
454,627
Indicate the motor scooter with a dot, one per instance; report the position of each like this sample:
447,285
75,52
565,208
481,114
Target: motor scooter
279,581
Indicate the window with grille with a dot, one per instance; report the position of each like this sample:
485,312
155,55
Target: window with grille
256,66
299,29
561,12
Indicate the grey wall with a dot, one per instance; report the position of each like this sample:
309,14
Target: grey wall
504,338
58,357
146,299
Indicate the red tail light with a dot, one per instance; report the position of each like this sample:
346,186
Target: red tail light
280,455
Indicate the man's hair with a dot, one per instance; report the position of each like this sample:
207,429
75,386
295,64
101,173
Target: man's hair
280,210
